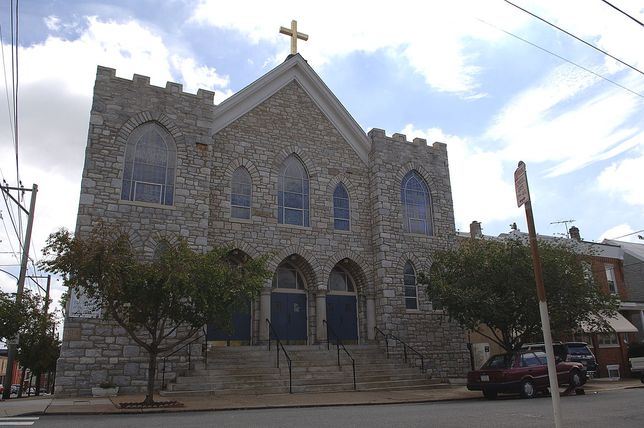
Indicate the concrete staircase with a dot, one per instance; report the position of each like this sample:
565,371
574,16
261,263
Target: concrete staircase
252,370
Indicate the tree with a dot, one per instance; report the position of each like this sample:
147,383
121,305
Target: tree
38,349
13,316
161,303
491,283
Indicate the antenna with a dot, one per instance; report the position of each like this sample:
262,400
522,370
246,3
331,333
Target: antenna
565,223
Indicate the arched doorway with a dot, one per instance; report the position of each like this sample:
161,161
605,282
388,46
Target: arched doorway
341,305
236,332
289,304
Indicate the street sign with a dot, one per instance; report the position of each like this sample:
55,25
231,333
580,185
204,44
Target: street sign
521,185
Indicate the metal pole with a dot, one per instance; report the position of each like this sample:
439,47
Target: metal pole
543,306
12,344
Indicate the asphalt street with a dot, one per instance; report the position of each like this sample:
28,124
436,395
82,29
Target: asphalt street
614,409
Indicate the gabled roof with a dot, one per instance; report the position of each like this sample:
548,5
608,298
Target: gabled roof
631,248
294,68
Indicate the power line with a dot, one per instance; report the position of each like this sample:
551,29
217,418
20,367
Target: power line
628,234
562,58
620,10
575,37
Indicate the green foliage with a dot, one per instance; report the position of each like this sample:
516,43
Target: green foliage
491,283
13,315
160,303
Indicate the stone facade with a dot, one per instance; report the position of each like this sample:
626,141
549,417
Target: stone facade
288,112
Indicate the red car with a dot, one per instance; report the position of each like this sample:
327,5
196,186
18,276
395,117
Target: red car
524,372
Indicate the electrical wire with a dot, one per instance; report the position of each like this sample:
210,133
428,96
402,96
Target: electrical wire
575,37
6,87
620,10
562,58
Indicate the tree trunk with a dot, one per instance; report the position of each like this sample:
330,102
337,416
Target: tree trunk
22,381
38,381
152,371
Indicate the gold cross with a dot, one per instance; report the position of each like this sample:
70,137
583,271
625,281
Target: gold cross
292,32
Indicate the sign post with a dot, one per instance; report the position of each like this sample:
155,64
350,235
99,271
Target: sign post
523,198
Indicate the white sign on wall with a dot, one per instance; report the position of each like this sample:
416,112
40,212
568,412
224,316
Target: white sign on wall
82,307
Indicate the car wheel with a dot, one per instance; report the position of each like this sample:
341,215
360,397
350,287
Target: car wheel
528,390
575,379
490,395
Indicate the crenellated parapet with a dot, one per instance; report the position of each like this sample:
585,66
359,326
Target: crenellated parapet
107,76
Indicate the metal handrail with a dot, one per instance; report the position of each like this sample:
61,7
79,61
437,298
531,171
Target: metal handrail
279,345
203,334
377,330
338,344
405,346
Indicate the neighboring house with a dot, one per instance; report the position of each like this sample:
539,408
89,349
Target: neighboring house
281,168
607,269
632,305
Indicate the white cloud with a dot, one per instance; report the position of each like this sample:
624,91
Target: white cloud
624,178
481,189
623,232
561,120
431,37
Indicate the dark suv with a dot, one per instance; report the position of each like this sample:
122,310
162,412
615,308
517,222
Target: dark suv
570,351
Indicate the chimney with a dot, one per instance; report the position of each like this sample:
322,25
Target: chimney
574,233
475,229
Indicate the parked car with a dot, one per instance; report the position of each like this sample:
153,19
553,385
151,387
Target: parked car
522,372
578,352
636,359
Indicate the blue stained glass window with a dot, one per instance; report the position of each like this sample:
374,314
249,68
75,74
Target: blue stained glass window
240,194
341,208
150,158
416,204
293,193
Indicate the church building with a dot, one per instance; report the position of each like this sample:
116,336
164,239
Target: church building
280,168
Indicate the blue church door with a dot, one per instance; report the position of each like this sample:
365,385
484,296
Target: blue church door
342,316
288,317
240,333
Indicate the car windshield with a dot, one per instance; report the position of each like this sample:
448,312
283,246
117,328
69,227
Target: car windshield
578,350
502,361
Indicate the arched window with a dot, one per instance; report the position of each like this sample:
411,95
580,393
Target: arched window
341,208
240,194
287,276
416,202
293,193
150,159
411,289
161,248
340,280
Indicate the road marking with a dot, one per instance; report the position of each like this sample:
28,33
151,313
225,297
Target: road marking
18,421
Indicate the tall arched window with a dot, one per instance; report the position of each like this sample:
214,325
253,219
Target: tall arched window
240,194
416,202
341,208
293,193
150,159
411,289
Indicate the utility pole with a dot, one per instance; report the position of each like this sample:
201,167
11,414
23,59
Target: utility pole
523,198
12,344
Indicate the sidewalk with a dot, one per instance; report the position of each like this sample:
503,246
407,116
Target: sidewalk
88,405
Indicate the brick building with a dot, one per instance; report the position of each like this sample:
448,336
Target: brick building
348,218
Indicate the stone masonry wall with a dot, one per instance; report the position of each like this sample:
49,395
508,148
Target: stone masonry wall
96,350
427,329
287,123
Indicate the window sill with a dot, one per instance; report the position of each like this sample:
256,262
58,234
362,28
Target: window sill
342,232
146,204
419,235
616,345
293,226
241,220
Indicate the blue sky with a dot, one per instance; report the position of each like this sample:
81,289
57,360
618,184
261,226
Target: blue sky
441,70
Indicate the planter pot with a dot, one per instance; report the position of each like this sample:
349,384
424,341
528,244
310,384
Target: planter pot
105,392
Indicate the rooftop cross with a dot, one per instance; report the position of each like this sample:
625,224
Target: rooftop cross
292,32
